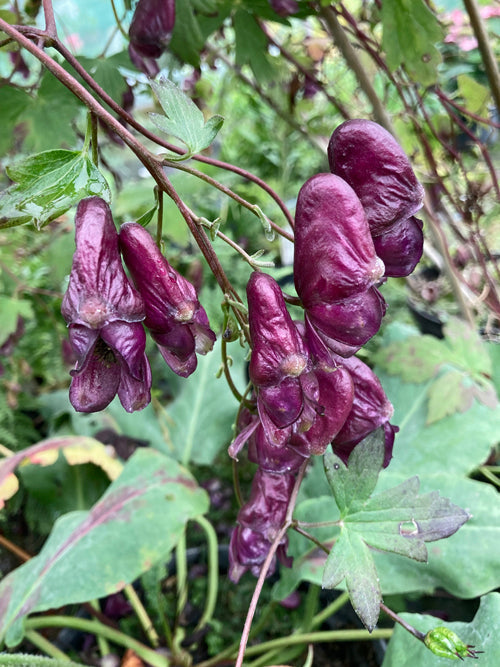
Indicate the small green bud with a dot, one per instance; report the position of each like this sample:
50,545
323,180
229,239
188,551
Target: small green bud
444,643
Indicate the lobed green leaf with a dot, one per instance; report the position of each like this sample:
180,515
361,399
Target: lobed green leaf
47,185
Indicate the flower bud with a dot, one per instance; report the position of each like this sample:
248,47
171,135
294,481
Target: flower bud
445,643
373,163
104,314
174,316
371,409
334,253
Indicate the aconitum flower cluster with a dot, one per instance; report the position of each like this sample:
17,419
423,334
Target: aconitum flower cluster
353,228
105,312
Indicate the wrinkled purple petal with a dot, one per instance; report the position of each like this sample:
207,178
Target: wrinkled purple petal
247,551
94,385
350,322
151,27
371,409
336,397
271,458
277,348
266,508
82,340
283,402
135,394
373,163
400,247
176,319
334,253
177,347
98,292
129,342
284,7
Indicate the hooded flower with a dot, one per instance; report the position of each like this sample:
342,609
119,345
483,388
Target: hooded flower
259,522
149,32
104,314
368,157
177,322
279,365
334,256
371,409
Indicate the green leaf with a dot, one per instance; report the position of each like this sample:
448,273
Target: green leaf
475,95
47,185
353,485
11,310
460,365
483,632
105,71
28,660
182,117
397,520
49,116
12,104
410,32
187,40
251,46
91,554
197,424
442,454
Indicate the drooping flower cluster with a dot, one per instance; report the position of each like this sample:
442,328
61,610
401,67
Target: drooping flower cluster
353,228
105,313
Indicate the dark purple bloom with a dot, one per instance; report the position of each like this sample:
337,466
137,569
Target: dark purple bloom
284,7
272,458
345,326
279,365
371,409
177,322
150,32
334,256
336,394
373,163
259,522
400,247
104,314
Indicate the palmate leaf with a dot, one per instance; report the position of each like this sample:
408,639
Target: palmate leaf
92,554
397,520
47,184
182,118
410,32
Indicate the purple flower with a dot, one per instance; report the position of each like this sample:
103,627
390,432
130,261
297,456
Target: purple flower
279,365
259,522
104,314
373,163
371,409
150,32
284,7
177,322
400,247
345,326
334,256
336,394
